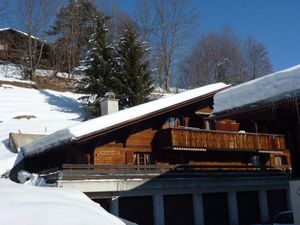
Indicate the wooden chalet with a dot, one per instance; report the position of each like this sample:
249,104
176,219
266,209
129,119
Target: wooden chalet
167,162
13,47
179,133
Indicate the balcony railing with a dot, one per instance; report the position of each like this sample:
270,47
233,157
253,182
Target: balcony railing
202,140
86,172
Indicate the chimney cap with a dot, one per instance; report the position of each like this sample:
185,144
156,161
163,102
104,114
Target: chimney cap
110,95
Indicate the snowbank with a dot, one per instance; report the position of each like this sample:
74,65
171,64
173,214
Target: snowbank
27,205
284,84
105,122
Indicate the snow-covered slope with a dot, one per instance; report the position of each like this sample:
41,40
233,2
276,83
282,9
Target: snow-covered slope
281,85
35,111
48,111
27,205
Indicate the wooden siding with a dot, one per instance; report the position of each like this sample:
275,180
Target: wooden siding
122,153
216,140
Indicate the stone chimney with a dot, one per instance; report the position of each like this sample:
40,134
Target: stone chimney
109,104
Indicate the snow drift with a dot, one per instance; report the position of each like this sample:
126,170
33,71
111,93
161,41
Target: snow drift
27,205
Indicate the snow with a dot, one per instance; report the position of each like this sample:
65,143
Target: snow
12,73
99,124
281,85
21,32
27,205
53,111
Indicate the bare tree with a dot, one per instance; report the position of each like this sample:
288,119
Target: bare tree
220,57
258,58
36,16
167,24
217,57
119,19
74,26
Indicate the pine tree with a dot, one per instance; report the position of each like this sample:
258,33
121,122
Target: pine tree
100,66
134,83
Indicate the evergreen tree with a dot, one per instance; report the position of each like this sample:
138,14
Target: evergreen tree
134,83
100,66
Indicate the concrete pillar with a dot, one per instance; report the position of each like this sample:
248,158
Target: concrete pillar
198,209
158,209
288,199
263,206
233,208
115,206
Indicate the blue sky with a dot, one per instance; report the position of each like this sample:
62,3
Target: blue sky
275,23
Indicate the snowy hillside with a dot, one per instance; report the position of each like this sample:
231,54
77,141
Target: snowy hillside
40,111
24,110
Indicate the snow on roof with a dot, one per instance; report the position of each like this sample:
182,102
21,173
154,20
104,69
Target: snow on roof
27,205
21,32
103,123
272,88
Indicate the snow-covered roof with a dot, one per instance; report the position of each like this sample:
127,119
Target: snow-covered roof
27,205
115,120
21,32
269,89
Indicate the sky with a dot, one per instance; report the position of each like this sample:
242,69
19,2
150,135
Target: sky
275,23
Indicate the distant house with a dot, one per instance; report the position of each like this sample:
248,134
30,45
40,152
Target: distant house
167,162
13,47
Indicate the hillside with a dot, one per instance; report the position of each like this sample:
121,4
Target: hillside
27,108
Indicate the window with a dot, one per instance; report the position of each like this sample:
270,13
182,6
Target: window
208,124
173,122
278,161
142,158
255,160
3,47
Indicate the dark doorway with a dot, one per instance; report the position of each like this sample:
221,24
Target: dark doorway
248,207
277,202
215,209
178,210
137,209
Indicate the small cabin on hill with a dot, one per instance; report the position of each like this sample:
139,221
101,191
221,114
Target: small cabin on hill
14,47
175,130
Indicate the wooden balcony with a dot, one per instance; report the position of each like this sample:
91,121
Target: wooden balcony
203,140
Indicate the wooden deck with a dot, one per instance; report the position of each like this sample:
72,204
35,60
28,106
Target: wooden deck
202,140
